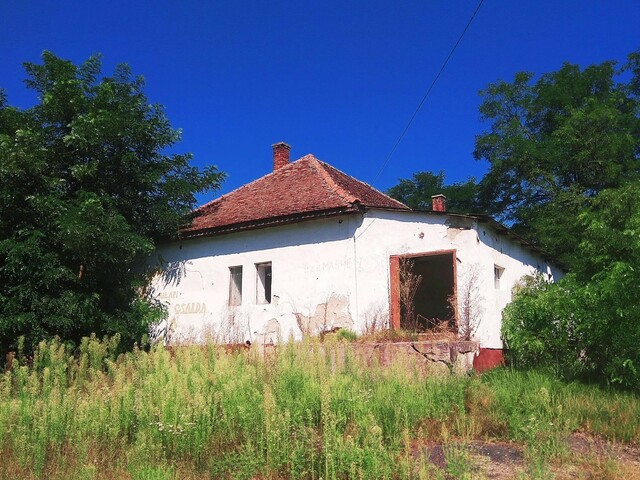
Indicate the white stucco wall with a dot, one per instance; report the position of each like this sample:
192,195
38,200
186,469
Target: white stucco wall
478,249
342,262
310,261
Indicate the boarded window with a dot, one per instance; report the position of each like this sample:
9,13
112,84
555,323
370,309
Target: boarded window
263,283
235,285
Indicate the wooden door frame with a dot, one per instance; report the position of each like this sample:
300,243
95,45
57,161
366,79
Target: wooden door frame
394,283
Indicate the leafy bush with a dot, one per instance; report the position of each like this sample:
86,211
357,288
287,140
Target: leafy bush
587,324
539,326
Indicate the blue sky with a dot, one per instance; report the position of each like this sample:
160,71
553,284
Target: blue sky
336,79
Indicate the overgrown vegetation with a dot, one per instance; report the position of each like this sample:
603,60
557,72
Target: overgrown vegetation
587,325
409,285
299,411
87,188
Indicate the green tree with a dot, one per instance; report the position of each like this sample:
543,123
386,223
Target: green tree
587,324
87,188
417,192
557,142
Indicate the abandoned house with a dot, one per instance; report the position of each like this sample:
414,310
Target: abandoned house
308,248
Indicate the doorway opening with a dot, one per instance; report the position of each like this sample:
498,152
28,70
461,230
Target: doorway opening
423,290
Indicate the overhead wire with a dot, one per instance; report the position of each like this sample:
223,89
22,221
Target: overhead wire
424,98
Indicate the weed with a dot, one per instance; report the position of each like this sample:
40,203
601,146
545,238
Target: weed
204,412
347,335
458,460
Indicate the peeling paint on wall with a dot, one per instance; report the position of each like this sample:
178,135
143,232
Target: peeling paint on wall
271,333
331,314
457,226
452,233
459,222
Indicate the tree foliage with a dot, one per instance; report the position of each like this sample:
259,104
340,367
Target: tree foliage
587,323
417,192
87,189
565,158
555,143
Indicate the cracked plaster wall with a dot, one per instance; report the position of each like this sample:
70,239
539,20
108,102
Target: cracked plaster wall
326,273
385,233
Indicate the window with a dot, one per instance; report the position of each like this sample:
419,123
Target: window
235,285
497,275
263,282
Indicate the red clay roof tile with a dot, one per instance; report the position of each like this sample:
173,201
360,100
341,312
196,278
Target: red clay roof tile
304,188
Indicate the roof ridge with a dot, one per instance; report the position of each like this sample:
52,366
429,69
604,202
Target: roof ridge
324,164
385,195
320,168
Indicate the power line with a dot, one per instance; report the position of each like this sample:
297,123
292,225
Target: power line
406,128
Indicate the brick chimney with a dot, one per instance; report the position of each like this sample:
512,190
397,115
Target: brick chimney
439,203
280,155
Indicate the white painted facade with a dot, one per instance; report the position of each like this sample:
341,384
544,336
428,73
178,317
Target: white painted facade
333,270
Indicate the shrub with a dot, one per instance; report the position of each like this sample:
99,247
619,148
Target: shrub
587,323
579,330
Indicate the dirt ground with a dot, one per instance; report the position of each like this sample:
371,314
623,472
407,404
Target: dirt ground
584,458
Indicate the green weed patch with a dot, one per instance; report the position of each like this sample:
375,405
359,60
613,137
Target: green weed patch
201,412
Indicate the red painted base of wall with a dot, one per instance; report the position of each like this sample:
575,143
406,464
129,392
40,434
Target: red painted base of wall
487,359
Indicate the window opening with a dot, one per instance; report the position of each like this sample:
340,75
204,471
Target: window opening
235,286
497,275
263,283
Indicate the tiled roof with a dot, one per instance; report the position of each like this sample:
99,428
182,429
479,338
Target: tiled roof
306,188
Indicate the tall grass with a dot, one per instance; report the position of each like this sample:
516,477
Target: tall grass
304,410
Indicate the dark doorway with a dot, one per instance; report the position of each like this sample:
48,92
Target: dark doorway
424,291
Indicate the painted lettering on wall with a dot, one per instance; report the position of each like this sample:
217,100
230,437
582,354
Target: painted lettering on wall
169,294
188,308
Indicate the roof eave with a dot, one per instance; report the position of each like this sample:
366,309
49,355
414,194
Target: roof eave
269,222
